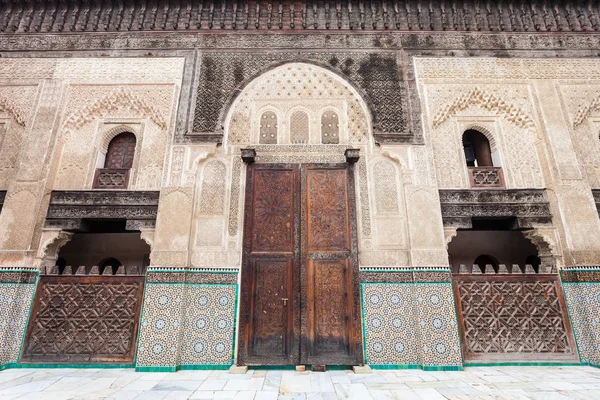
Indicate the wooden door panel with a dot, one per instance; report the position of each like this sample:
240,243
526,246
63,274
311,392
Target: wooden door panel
273,211
329,259
330,307
327,204
271,313
269,316
299,245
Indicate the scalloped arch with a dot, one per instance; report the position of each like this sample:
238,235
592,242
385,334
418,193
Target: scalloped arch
117,99
488,101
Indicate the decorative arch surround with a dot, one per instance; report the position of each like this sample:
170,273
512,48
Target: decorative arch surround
119,98
585,110
488,101
13,111
115,131
298,85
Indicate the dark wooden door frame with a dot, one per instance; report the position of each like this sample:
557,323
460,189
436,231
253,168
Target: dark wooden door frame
299,313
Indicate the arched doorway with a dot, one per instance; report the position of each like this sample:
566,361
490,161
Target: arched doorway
299,288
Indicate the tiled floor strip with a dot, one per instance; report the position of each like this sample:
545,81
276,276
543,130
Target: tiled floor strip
569,382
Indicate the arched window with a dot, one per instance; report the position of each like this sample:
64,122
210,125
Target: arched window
484,260
477,149
299,130
268,128
111,263
121,150
117,163
330,128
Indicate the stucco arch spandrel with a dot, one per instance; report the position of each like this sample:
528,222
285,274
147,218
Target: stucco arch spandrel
118,98
12,110
296,81
488,101
233,97
585,110
485,131
115,131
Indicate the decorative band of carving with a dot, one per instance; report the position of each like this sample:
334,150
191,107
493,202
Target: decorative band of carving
68,210
18,274
529,206
192,276
580,274
405,274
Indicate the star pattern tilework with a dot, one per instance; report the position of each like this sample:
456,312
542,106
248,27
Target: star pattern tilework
410,324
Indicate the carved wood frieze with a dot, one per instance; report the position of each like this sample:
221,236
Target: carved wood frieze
529,206
70,210
162,15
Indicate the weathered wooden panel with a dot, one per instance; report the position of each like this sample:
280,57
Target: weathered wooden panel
512,318
84,319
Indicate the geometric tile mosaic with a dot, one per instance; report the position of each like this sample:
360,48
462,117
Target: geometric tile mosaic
410,324
15,304
583,302
209,325
187,324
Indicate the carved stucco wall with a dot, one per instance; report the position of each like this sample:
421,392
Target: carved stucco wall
542,116
55,115
207,181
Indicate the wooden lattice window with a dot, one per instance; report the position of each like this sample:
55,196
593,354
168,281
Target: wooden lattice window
299,127
268,128
330,128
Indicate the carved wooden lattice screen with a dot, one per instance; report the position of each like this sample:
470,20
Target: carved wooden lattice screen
84,319
513,318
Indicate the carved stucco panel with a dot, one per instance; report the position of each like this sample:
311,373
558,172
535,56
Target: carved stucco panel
582,103
453,108
288,87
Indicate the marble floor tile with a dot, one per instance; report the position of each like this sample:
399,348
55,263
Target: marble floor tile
481,383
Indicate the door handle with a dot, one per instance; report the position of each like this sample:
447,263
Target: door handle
285,300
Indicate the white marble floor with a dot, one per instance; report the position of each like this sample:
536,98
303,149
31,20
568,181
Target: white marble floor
545,383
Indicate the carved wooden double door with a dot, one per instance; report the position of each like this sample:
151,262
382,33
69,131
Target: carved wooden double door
299,273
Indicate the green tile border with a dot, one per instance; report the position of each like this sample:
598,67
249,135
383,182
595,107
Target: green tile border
191,367
523,364
81,366
416,366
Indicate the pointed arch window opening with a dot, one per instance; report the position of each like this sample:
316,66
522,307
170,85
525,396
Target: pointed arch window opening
117,163
483,163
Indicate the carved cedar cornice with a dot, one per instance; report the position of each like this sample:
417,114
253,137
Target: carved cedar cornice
487,101
529,206
414,15
69,210
116,100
